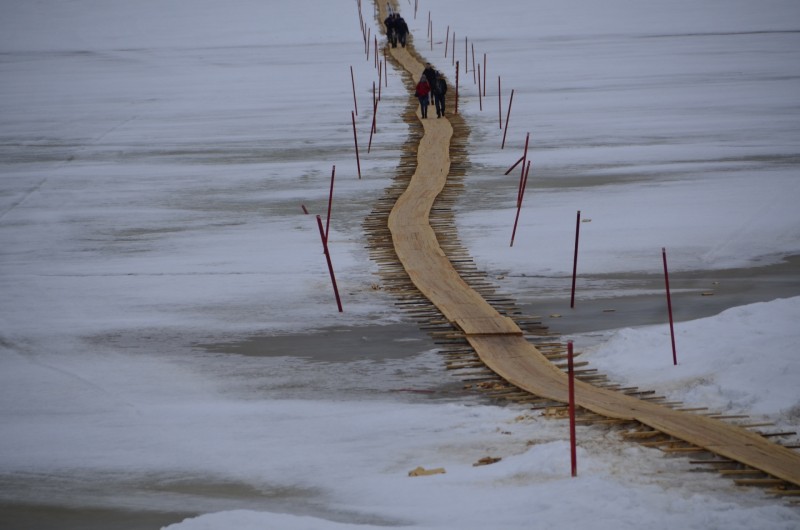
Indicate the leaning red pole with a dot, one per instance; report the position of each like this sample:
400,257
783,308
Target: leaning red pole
373,129
515,165
523,183
353,79
522,175
330,204
330,265
508,115
669,308
575,261
572,443
355,139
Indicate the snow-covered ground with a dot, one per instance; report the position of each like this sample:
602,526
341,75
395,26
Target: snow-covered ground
153,162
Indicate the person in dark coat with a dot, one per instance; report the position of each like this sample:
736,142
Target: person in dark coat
430,74
401,29
423,94
439,89
391,30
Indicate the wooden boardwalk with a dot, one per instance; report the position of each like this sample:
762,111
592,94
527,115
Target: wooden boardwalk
499,342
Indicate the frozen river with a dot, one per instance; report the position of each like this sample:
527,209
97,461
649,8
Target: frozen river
169,343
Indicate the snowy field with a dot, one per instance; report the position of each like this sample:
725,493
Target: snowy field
154,157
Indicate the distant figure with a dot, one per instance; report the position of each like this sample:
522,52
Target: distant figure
391,30
439,89
401,29
423,93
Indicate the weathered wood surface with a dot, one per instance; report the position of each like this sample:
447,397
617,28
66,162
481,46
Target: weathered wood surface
499,342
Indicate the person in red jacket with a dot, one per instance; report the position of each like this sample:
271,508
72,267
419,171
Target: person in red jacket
422,93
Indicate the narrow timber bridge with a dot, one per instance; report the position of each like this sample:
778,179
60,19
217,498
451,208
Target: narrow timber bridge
500,343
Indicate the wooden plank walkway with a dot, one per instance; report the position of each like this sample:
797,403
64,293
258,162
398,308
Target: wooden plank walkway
498,340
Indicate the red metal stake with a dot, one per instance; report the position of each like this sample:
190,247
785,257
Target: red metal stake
669,308
305,210
523,183
330,265
515,165
353,79
355,139
474,81
508,116
484,74
374,100
373,129
522,175
575,261
456,109
380,71
480,98
572,442
330,204
499,104
376,51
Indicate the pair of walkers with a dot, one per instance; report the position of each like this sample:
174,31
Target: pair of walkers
431,87
396,29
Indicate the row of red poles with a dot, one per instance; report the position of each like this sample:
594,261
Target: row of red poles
479,79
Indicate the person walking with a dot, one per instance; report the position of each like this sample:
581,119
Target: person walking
391,30
422,93
401,29
439,89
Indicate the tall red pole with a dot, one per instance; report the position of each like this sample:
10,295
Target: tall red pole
499,104
380,72
480,98
571,373
523,184
473,63
456,110
330,264
484,74
669,308
355,139
575,261
330,204
353,79
508,115
373,130
522,175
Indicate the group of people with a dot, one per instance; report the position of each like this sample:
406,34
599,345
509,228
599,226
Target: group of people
432,87
396,29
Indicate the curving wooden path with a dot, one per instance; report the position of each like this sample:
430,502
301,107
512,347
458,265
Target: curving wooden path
499,342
